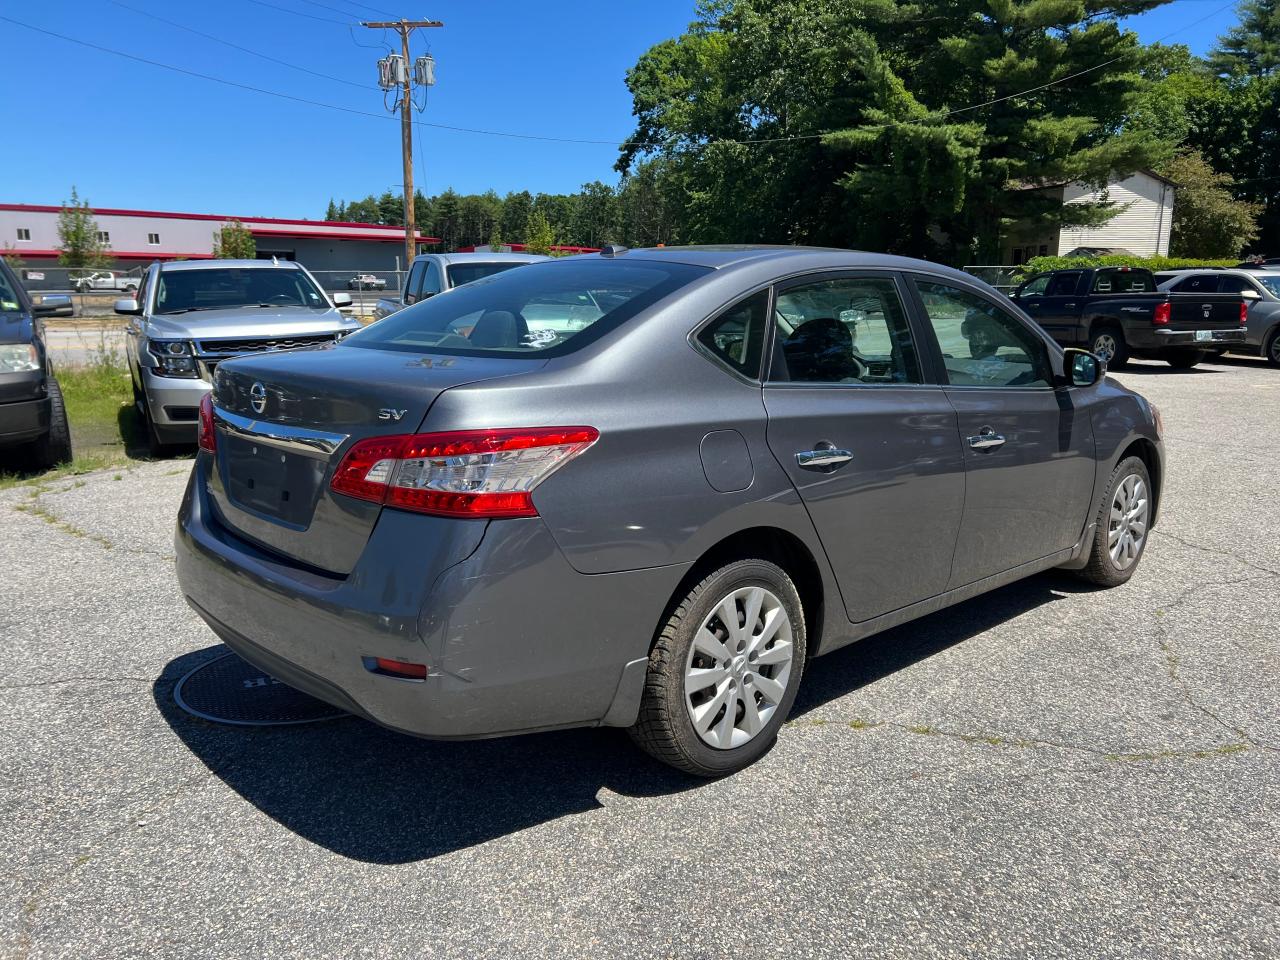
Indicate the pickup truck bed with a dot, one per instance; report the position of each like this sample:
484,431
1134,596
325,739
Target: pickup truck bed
1117,313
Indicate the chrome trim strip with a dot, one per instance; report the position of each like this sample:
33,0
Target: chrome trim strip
311,443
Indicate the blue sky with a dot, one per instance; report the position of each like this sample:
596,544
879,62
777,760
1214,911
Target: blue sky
130,134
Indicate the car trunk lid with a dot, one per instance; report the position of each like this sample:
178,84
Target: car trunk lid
284,421
1204,311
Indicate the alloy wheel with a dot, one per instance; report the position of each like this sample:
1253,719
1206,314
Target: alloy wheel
1127,529
1104,347
738,667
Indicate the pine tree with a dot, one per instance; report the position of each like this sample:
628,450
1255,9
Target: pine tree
1252,47
445,218
79,244
332,212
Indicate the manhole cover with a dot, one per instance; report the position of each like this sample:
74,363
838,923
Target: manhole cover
231,690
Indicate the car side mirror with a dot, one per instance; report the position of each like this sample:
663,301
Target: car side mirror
1084,369
128,307
55,304
342,300
1251,294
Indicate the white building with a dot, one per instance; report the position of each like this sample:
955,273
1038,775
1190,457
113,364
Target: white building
137,237
1141,227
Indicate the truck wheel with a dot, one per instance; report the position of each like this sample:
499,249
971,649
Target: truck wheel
1272,350
55,446
724,671
1107,343
1124,518
1184,359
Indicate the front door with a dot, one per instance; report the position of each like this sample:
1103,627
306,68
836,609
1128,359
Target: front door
871,447
1028,444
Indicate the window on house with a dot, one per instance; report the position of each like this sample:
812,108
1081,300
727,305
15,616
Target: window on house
153,239
24,233
104,236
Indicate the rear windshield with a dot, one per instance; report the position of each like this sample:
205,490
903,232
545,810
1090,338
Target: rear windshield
180,291
1123,281
460,273
542,309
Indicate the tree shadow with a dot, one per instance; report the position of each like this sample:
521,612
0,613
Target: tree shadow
378,796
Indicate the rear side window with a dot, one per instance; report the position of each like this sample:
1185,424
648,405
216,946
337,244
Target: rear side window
460,273
542,309
1198,283
843,330
1235,284
737,335
1063,284
982,345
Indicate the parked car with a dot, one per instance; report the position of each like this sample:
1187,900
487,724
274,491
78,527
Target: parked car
33,418
366,281
190,315
1261,291
105,280
1117,313
433,273
753,457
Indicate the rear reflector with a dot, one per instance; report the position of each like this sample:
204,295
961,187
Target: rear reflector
396,668
205,437
481,474
1161,315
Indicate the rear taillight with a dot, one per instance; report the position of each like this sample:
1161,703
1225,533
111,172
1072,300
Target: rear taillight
1244,312
468,473
205,436
1161,315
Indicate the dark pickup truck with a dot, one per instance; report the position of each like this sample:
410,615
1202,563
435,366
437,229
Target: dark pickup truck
1117,313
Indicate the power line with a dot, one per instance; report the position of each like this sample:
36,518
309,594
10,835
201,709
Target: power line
576,140
236,46
299,13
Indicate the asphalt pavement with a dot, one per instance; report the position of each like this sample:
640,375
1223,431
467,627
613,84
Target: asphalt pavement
1048,771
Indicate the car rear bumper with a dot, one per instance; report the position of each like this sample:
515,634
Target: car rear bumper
23,420
1155,339
515,640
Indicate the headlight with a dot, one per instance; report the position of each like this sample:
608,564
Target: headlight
18,357
173,358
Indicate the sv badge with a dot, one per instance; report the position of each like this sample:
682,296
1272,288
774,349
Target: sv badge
389,413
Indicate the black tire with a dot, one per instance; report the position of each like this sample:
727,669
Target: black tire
1272,348
1120,356
55,446
1101,569
664,728
1184,359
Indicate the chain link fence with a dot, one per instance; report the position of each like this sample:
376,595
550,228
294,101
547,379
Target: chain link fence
1003,278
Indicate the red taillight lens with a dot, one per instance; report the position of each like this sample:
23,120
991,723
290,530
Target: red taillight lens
1244,312
1161,315
466,473
207,439
397,668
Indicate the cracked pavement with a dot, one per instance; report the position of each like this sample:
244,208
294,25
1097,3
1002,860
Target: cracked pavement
1048,770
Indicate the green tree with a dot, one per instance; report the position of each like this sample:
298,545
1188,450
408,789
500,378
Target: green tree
835,121
595,215
445,222
391,208
496,243
13,257
516,208
651,204
478,213
538,237
79,243
1208,222
331,212
234,242
1252,47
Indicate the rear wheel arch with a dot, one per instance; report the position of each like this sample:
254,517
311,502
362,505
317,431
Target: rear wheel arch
775,545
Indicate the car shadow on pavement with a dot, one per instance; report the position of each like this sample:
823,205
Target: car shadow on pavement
378,796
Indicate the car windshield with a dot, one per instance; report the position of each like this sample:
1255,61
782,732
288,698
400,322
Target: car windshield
179,291
543,309
460,273
9,302
1271,283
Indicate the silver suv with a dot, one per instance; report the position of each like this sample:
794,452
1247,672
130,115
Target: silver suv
434,273
189,316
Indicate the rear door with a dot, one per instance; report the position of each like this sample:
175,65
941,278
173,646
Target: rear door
1028,446
870,444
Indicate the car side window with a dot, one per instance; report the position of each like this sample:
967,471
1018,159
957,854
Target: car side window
1063,285
1036,287
736,336
1232,284
981,344
413,282
843,330
431,283
1198,283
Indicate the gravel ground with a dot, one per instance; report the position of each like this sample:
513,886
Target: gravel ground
1044,771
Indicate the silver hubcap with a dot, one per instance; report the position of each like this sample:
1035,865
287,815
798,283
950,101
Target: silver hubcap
738,667
1127,529
1104,346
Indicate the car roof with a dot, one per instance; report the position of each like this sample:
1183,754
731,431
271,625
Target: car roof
223,264
482,257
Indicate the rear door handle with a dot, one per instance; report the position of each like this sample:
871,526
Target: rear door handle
824,457
987,439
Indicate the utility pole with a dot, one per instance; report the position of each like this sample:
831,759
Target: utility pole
393,72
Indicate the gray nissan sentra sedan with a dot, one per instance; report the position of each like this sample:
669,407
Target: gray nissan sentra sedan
647,488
